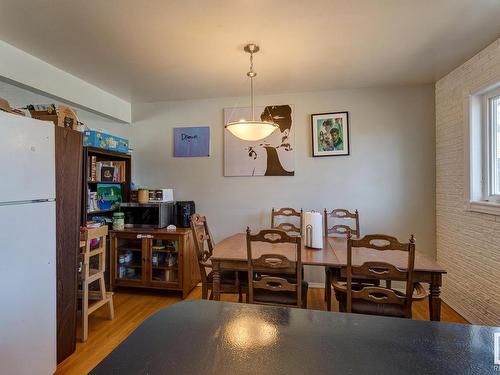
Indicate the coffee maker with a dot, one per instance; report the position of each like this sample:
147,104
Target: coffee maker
182,213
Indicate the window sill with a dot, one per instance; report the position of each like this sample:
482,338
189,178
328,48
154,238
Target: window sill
491,208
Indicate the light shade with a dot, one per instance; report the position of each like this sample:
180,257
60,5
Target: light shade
251,130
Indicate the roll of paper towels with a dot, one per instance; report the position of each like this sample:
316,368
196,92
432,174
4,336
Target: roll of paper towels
313,229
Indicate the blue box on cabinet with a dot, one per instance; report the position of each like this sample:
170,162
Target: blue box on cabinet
94,138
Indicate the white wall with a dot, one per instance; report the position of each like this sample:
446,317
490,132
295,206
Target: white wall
389,175
19,97
468,243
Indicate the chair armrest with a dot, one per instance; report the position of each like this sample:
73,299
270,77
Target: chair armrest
419,293
207,264
341,287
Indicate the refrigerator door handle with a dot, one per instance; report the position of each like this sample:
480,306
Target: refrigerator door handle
15,203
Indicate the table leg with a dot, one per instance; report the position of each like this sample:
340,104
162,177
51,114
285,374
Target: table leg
328,288
216,280
435,297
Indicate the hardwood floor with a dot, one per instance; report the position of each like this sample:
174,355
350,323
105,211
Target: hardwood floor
133,307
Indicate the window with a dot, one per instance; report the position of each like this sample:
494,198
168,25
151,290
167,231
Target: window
483,151
492,118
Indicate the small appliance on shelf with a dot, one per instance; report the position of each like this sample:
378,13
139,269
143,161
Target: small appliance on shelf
161,195
147,215
182,213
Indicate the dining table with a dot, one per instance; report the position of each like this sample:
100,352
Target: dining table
231,254
207,337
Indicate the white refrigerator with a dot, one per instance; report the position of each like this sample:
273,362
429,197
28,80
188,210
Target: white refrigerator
27,246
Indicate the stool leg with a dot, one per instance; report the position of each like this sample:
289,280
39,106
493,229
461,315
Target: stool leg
102,287
85,310
104,295
111,310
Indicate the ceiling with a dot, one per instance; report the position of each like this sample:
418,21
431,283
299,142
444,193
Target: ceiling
158,50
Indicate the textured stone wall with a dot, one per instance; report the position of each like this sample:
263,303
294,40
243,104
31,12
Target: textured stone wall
468,243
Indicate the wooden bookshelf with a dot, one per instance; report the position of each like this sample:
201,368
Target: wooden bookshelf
88,184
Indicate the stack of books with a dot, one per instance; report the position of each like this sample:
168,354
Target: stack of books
106,171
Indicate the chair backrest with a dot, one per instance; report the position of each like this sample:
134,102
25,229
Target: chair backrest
272,267
283,225
342,229
203,242
380,271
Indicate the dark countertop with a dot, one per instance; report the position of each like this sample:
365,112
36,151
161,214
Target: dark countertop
207,337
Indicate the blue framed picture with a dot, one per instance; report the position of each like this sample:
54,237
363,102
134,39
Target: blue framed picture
192,142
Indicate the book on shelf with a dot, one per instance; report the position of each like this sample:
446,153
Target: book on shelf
92,201
106,171
93,161
107,198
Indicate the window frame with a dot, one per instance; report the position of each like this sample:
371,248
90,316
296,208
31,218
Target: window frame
477,148
489,145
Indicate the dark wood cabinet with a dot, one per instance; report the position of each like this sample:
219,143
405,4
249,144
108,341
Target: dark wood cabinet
68,154
156,259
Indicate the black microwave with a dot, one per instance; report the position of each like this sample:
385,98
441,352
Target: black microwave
148,215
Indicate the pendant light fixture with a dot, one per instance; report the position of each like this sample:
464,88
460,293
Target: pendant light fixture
253,130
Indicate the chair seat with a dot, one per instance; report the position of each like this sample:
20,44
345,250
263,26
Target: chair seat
342,278
371,308
229,277
360,281
361,306
282,298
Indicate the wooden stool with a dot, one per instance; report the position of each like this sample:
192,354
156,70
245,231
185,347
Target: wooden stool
89,275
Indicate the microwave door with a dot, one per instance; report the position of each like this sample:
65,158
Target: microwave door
141,216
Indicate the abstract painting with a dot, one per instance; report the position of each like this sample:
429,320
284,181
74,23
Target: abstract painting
271,156
330,134
192,142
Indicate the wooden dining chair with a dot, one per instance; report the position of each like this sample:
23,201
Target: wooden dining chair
230,281
276,279
378,300
342,229
335,225
279,215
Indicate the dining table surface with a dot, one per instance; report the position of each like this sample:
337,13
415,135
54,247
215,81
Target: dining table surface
333,253
231,254
208,337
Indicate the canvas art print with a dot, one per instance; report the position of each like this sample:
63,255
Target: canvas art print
271,156
192,142
330,134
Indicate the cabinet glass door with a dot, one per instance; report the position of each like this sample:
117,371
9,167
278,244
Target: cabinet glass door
164,261
129,265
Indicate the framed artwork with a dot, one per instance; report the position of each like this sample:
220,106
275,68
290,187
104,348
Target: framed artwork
271,156
192,142
330,134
